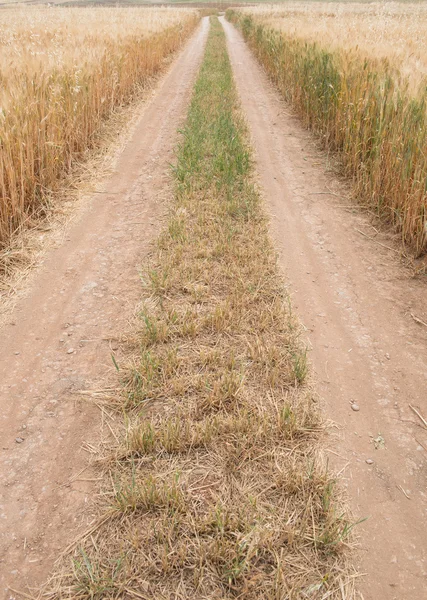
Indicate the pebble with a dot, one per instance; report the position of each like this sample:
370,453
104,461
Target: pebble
16,353
355,407
19,440
369,461
70,350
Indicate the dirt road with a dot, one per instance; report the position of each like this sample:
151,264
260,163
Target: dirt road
355,300
60,338
352,294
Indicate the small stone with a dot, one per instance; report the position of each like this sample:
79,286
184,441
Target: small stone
369,461
387,355
16,353
19,440
355,407
70,350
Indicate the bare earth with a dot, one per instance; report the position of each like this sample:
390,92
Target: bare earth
355,300
60,338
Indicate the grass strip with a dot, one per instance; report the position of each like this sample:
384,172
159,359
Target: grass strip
219,490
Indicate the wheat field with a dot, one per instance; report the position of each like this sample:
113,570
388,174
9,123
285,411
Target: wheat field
63,72
392,31
356,74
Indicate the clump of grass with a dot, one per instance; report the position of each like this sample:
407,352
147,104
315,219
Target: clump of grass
219,488
148,495
363,109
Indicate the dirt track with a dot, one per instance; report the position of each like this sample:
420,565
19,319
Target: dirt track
352,295
355,301
60,338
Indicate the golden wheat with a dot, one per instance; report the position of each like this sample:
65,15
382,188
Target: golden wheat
345,68
63,71
392,31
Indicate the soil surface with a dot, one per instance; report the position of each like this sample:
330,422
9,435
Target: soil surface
60,338
355,299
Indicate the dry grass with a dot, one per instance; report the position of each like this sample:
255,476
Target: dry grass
64,71
218,489
356,75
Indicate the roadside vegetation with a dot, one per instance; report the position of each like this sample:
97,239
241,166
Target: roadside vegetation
63,74
355,73
217,485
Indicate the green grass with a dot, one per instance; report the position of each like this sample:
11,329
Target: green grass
219,489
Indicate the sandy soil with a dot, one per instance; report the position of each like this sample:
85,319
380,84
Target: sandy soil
60,338
356,300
